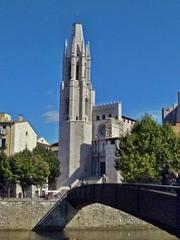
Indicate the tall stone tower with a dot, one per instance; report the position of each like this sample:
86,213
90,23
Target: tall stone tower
76,103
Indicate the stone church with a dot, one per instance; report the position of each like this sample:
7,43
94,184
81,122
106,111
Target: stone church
88,133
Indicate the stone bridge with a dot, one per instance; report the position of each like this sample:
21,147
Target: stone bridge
156,204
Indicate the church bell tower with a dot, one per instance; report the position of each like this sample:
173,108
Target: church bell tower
76,104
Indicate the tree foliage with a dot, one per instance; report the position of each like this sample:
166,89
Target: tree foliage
48,156
29,169
142,154
6,175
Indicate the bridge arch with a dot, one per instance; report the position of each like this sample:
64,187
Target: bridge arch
156,204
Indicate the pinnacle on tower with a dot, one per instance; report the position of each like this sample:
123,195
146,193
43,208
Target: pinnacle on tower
77,34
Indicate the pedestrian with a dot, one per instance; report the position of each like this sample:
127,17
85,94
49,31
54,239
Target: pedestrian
167,176
178,179
104,178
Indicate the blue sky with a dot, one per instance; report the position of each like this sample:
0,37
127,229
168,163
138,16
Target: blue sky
135,50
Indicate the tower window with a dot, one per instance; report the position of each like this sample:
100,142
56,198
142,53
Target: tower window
76,117
77,71
3,143
103,116
69,70
67,106
97,117
26,133
110,115
86,106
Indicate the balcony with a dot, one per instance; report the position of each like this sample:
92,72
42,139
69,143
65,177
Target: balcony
3,131
3,143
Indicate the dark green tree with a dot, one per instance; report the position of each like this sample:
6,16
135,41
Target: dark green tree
39,170
6,175
29,169
142,155
21,167
48,156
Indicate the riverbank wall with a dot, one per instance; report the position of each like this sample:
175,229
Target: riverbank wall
27,214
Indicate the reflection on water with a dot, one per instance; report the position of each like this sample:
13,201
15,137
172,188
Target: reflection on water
120,234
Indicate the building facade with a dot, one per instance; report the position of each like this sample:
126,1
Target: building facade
171,115
88,133
16,135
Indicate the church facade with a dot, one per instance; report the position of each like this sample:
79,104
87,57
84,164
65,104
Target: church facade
88,133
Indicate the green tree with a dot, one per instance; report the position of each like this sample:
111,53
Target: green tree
29,169
49,157
6,175
21,167
39,171
142,154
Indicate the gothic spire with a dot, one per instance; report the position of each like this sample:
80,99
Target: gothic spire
77,34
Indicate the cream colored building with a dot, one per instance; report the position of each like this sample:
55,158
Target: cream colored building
43,142
16,135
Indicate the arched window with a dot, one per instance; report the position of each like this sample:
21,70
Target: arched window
86,106
67,107
97,117
103,147
77,71
69,70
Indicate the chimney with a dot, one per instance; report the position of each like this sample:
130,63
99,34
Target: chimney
20,118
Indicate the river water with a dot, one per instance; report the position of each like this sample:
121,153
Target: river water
120,234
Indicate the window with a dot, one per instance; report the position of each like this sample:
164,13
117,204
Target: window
67,106
77,71
86,106
102,168
103,116
3,143
113,141
76,117
4,127
110,115
69,70
103,147
97,117
26,133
